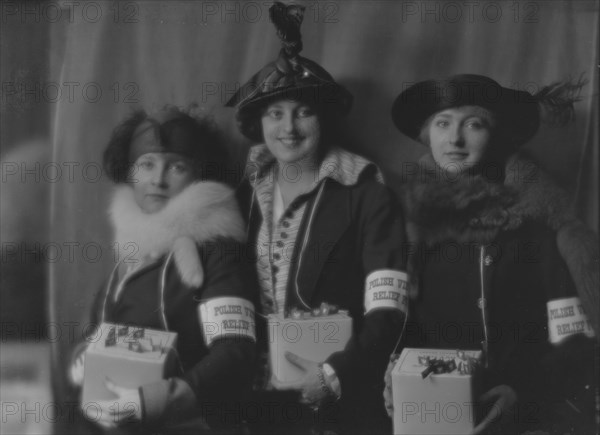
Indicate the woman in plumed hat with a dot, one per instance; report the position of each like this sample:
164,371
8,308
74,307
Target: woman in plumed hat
322,226
498,262
176,226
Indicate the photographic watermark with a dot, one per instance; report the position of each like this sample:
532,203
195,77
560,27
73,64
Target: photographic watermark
257,11
489,12
526,172
68,11
221,92
19,93
71,252
133,12
231,412
454,252
461,333
49,332
36,412
309,330
451,412
276,252
50,172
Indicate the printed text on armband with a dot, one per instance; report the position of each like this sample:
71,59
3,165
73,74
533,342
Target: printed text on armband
386,289
567,317
227,316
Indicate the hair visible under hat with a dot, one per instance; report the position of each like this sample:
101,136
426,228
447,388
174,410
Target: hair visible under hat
289,77
170,130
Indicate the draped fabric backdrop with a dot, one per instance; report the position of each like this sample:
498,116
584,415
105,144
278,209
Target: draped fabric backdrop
122,55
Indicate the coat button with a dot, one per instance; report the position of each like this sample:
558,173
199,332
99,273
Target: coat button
276,256
284,235
488,260
279,244
481,303
285,224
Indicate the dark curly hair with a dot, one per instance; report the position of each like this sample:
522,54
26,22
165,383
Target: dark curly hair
209,155
250,124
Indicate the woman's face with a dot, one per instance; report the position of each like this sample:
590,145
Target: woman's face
460,137
158,177
292,131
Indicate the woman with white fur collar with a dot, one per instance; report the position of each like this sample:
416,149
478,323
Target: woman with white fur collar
498,262
180,238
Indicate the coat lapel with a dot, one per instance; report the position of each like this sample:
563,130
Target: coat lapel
331,219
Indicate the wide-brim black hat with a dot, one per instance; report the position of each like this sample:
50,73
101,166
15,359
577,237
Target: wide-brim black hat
517,112
291,76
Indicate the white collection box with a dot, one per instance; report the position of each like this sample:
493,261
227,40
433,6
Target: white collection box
127,356
311,337
434,390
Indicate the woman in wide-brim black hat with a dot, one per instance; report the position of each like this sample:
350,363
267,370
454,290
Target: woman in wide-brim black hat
321,225
497,253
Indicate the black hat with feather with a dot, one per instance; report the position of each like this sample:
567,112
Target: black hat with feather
290,76
518,112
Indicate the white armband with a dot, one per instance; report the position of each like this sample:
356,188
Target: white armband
227,317
566,317
386,288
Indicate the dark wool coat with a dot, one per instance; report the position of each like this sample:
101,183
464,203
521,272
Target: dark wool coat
513,244
356,229
196,243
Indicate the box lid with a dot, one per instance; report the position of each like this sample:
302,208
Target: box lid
132,342
414,362
306,315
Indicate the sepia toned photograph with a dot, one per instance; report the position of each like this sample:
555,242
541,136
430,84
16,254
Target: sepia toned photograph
307,217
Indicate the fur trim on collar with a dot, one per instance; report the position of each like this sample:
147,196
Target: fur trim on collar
473,209
202,212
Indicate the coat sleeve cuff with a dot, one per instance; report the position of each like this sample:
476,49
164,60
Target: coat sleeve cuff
342,368
76,379
166,399
332,379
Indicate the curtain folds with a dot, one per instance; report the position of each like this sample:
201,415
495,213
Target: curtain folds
151,53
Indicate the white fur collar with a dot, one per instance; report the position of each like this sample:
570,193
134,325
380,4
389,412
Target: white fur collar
202,212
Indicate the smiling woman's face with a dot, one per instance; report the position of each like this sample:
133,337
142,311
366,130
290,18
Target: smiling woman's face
292,131
460,137
158,177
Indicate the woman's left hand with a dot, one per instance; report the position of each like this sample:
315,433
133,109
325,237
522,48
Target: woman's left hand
309,385
126,408
503,398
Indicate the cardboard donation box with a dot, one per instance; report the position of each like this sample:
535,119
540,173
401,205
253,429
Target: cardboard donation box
310,335
434,391
129,357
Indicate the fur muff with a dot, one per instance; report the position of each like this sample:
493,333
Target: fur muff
202,212
473,209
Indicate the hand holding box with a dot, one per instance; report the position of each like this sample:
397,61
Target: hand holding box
312,336
433,391
127,356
